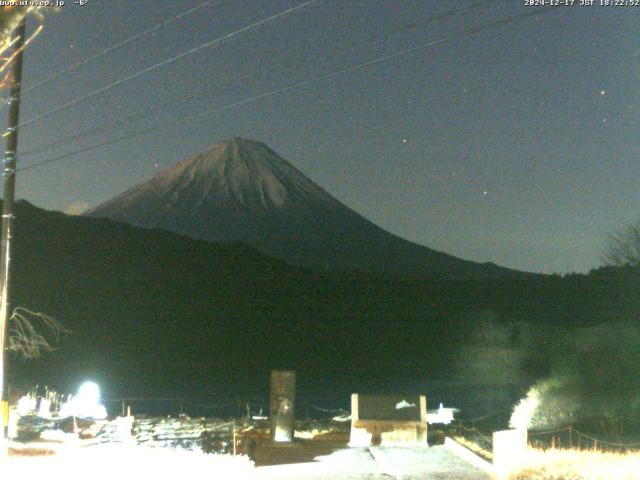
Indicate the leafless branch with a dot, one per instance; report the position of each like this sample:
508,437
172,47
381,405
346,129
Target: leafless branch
30,341
623,247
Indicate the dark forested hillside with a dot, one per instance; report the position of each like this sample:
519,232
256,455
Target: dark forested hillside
153,313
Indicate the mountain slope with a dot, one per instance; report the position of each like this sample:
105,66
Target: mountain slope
240,190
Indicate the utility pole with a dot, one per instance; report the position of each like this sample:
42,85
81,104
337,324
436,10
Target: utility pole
9,184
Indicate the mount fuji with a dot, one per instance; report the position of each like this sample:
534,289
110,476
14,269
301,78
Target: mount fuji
241,190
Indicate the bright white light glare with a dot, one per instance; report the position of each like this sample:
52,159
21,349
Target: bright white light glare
89,392
26,405
86,404
282,435
44,409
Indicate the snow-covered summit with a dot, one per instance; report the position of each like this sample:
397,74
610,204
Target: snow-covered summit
235,173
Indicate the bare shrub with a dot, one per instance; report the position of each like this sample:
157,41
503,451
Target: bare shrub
32,333
623,247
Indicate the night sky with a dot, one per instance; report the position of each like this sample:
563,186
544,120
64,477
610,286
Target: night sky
517,145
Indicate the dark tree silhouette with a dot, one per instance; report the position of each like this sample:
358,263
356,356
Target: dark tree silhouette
623,247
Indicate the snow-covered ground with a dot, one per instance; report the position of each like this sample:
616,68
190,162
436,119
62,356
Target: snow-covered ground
110,461
379,463
125,461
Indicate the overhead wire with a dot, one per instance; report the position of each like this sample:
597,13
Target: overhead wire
449,13
106,126
116,46
166,62
291,86
136,115
82,63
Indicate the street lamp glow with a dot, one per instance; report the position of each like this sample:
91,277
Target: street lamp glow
89,393
86,404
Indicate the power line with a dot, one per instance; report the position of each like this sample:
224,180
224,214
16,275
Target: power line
116,46
107,126
154,127
129,118
449,13
164,63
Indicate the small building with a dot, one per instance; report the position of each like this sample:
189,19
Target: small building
388,420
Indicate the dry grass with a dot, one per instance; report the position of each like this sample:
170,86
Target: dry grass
578,465
332,437
475,448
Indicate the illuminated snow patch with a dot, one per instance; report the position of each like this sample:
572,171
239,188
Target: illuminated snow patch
404,404
109,462
443,415
342,418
